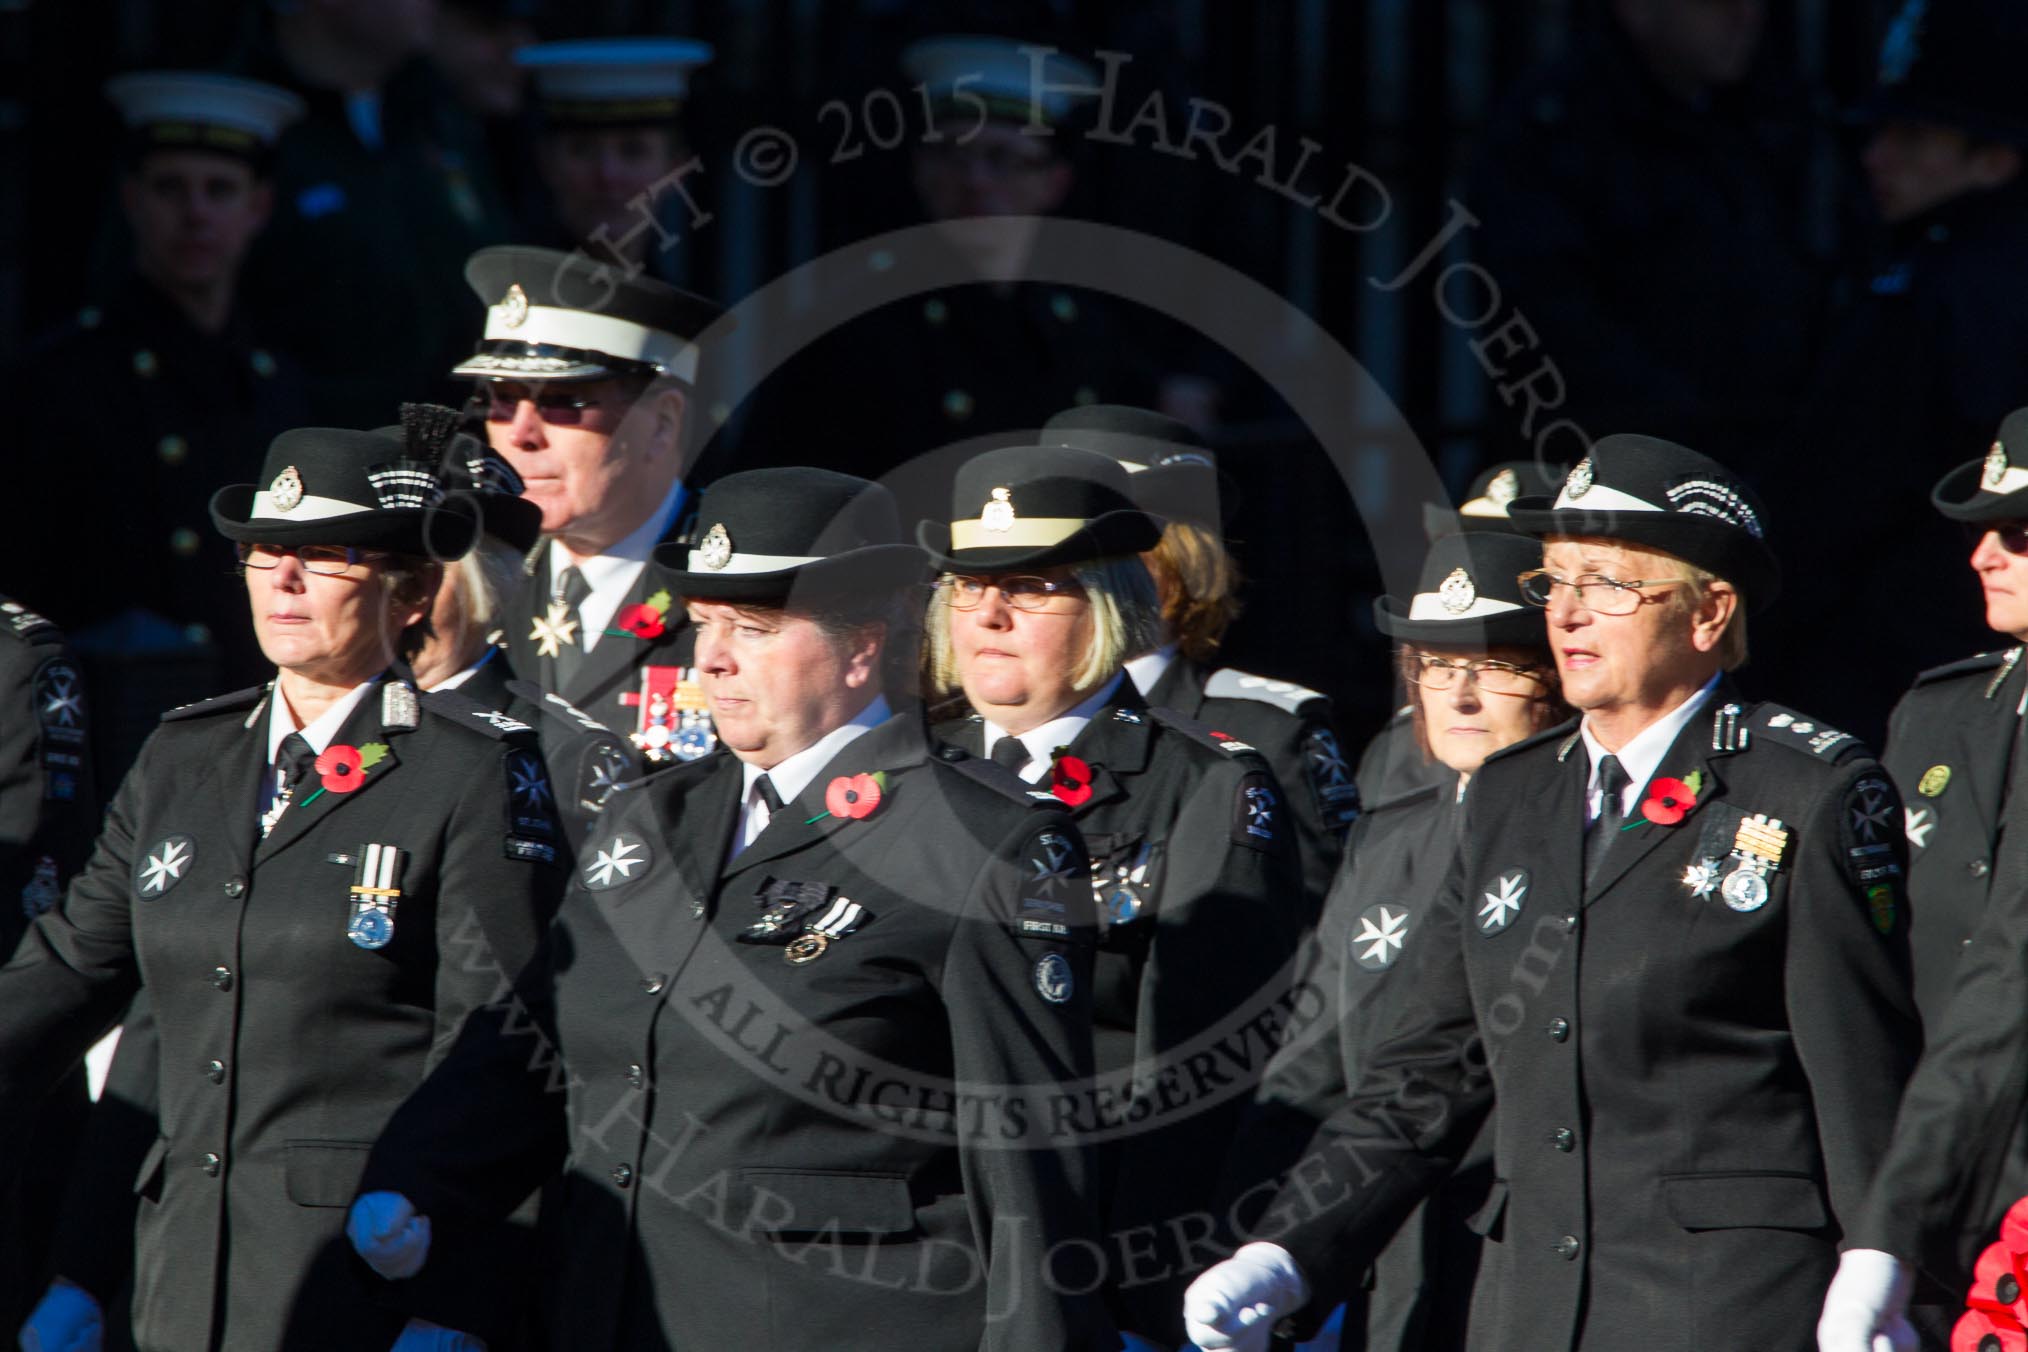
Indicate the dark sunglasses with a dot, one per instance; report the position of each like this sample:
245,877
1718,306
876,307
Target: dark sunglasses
2012,535
499,403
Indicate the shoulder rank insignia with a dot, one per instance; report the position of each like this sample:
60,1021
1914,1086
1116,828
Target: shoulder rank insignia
398,705
2007,665
1727,733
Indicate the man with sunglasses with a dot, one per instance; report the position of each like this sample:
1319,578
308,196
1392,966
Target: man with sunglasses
1672,951
585,378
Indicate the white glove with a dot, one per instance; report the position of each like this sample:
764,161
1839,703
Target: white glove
66,1319
419,1335
1233,1306
386,1232
1866,1308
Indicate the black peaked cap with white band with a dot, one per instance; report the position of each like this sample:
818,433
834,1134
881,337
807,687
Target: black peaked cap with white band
1021,507
565,316
1494,490
793,534
1170,471
1469,595
1995,488
334,486
1656,494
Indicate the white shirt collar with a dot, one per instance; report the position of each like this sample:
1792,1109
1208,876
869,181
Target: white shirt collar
1642,756
611,575
1147,670
794,773
319,732
1059,731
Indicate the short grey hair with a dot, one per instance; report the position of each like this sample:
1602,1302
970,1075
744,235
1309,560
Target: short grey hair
1126,620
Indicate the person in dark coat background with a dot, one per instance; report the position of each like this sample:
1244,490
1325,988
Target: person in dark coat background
1174,477
786,969
306,963
1042,600
1671,959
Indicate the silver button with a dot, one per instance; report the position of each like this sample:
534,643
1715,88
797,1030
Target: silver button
236,887
623,1174
635,1078
1978,868
652,984
214,1071
1558,1030
221,977
1564,1139
1570,924
1566,1248
211,1164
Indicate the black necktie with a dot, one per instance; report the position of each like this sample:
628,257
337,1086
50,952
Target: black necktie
293,762
1009,752
571,590
1612,783
769,794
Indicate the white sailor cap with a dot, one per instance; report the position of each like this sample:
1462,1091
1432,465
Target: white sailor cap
199,110
961,72
613,81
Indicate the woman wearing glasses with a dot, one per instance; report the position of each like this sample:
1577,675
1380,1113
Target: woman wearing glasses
1042,601
1476,659
313,883
1671,955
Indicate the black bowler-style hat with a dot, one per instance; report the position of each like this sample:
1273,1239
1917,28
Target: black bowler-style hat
1486,502
793,533
1650,492
565,316
476,479
1957,63
1992,489
1037,507
334,486
1171,473
1469,594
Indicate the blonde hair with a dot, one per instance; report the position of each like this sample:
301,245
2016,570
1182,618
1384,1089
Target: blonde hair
1126,620
488,578
1685,599
1198,580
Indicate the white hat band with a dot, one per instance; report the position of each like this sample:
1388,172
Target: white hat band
2010,480
308,508
558,327
1029,532
1430,606
1600,498
753,563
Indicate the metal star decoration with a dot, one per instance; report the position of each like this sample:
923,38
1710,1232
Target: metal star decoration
1920,823
553,631
1701,877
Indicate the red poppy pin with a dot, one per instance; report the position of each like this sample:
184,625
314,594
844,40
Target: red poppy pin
1069,778
341,768
649,619
853,797
1670,800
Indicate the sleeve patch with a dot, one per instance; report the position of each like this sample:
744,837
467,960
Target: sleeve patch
1330,779
605,765
60,717
1054,898
1874,826
531,807
1257,812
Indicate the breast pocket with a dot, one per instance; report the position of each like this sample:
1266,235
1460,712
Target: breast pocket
1745,1200
784,1203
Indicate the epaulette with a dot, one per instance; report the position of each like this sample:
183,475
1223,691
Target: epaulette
1005,783
459,707
1784,726
237,700
27,625
1202,733
2001,662
556,706
1565,731
1728,730
1227,683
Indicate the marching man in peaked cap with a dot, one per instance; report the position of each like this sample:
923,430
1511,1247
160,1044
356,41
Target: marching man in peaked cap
786,976
298,877
1174,477
1672,953
584,378
1043,597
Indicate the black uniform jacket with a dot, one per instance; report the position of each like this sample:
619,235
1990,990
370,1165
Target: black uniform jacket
587,760
1949,746
284,1045
1291,727
798,1143
1392,766
1193,861
607,685
1397,859
1694,1076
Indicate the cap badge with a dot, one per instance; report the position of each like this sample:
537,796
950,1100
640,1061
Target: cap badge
1996,466
1505,487
514,307
1579,482
998,515
286,491
1457,592
715,551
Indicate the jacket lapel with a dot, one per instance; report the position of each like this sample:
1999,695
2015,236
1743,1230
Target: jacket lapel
238,765
709,814
1116,742
1690,751
608,670
1181,688
894,746
1987,744
314,803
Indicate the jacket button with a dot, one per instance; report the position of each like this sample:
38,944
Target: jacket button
652,983
623,1174
1558,1030
950,753
236,888
214,1071
221,977
1566,1248
1570,924
1564,1139
635,1079
211,1164
1978,868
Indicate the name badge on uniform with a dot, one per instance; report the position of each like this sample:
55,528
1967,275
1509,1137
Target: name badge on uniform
672,718
376,888
1756,853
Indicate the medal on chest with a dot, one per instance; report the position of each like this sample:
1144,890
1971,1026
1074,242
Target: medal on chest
803,919
376,889
672,721
1756,856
